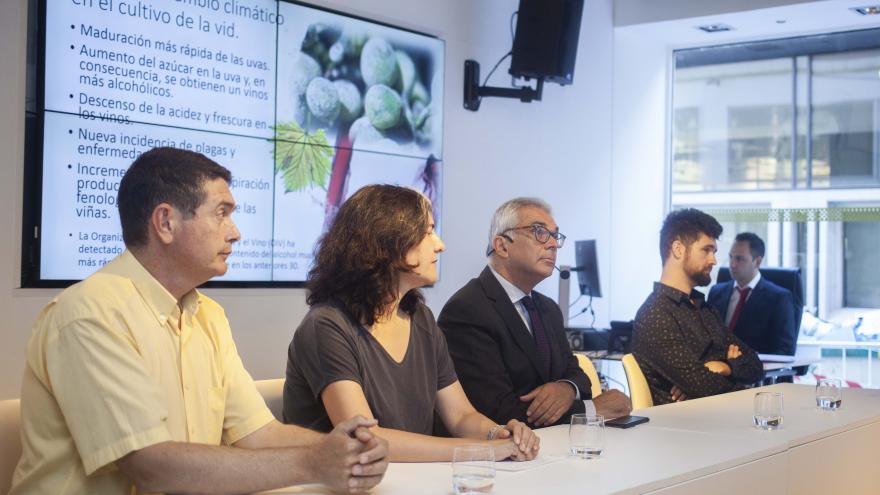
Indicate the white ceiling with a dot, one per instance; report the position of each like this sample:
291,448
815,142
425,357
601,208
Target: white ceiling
629,12
799,19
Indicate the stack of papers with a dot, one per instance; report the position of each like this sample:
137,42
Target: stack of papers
776,358
539,461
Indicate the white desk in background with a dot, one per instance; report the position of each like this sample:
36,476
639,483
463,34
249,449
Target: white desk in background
798,366
871,346
694,447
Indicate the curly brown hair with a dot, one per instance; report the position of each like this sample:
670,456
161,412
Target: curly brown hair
358,260
686,225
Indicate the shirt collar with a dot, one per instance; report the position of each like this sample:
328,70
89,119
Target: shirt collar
513,292
678,296
754,282
158,299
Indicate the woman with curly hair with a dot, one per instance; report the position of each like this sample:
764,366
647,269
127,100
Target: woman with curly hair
370,346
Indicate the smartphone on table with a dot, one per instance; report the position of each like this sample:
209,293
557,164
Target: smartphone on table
626,421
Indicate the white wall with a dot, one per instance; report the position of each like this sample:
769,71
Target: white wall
558,149
16,308
638,182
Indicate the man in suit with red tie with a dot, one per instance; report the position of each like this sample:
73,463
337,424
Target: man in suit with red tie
755,309
507,341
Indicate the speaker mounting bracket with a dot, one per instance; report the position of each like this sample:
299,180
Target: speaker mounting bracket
474,92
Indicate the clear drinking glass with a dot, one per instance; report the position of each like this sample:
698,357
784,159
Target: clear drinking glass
586,436
828,394
473,469
768,410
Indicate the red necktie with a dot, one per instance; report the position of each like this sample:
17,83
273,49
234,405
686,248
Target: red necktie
743,295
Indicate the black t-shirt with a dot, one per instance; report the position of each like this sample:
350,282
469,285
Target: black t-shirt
329,346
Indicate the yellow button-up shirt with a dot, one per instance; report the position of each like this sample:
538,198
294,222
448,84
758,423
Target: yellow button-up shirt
115,364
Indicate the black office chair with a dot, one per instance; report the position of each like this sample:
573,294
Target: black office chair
787,278
620,337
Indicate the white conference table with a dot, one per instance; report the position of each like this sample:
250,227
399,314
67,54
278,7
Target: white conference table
699,446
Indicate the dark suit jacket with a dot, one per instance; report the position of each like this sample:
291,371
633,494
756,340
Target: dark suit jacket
766,323
494,353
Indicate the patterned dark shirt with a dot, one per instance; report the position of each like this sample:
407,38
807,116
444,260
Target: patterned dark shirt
674,334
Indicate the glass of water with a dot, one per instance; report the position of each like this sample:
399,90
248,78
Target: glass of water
586,436
473,469
828,394
768,410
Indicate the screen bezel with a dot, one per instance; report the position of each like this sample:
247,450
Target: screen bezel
35,110
587,260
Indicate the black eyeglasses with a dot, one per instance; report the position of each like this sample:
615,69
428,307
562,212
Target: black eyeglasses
542,234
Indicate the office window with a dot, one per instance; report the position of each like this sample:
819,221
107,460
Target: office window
790,129
846,119
802,113
731,229
861,247
732,126
687,174
759,148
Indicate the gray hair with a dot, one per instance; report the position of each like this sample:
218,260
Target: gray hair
507,216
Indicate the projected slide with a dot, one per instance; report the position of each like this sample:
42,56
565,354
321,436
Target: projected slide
303,105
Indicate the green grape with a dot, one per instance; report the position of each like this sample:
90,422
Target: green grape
362,131
378,63
407,72
304,70
323,99
421,114
424,133
419,93
417,109
352,105
337,52
383,106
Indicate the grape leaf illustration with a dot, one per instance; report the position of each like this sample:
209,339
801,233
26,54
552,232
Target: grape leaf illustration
301,158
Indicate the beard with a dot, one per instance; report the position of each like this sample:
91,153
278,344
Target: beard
699,277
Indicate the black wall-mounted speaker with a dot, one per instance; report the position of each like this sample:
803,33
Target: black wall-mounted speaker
545,44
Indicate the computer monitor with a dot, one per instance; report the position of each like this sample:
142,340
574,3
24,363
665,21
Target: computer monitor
587,268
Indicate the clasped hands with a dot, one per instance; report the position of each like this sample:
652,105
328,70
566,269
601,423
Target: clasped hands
351,458
551,400
525,443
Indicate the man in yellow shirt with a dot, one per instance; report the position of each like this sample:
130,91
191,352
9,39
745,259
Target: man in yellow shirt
133,383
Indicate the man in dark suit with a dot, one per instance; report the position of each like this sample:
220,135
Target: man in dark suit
755,309
508,341
679,340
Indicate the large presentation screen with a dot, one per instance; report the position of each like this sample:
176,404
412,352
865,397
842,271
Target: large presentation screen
303,105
